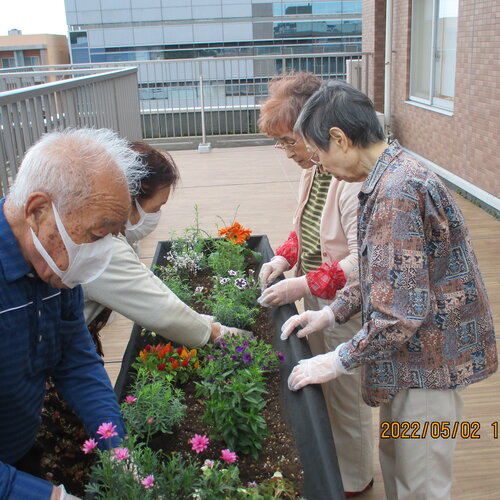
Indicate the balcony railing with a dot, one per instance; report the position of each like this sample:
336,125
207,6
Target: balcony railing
106,100
231,88
166,98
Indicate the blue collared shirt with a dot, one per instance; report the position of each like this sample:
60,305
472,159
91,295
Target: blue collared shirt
43,333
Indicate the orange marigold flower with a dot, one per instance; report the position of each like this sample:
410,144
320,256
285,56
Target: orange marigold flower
175,364
196,365
183,353
193,353
143,355
235,233
168,347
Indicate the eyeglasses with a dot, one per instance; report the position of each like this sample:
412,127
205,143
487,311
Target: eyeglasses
312,160
285,144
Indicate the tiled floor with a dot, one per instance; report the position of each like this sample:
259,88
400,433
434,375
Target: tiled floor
257,186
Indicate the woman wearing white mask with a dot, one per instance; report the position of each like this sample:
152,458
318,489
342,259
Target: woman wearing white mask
127,286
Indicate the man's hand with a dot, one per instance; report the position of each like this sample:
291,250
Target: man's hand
284,292
309,321
316,370
272,269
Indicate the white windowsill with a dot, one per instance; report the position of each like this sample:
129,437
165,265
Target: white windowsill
442,111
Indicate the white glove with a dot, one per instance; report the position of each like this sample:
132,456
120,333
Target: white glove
316,370
284,292
309,321
229,330
272,269
64,495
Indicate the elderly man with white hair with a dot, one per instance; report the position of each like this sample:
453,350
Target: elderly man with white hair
71,194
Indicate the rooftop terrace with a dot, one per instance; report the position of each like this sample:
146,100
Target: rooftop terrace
258,187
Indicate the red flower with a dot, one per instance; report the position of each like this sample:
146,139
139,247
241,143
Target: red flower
179,351
161,367
185,362
147,348
175,364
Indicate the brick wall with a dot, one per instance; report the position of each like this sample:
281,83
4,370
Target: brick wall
374,41
467,143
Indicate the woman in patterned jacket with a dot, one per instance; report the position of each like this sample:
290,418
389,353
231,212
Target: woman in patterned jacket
427,327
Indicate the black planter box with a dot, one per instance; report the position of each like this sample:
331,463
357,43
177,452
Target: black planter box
305,410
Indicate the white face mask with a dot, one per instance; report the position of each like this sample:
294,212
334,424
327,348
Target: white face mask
87,261
147,224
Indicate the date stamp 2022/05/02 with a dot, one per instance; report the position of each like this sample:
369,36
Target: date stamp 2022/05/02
435,430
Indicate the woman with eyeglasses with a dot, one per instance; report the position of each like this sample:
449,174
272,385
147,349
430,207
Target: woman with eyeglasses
323,249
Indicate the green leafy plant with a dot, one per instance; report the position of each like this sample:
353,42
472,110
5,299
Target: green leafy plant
153,405
175,282
233,385
226,255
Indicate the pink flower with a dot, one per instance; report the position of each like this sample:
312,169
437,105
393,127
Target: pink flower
150,420
107,430
199,443
209,463
148,482
121,454
228,456
130,399
89,445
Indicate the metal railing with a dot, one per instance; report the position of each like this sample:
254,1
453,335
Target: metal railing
216,95
105,100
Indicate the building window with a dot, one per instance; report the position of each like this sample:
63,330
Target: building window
433,52
31,61
8,62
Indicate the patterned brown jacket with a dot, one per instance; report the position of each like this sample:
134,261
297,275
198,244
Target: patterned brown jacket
427,322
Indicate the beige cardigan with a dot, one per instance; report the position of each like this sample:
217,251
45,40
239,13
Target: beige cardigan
128,287
338,226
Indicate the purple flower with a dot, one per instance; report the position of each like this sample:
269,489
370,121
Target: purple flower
210,357
247,358
233,356
281,357
210,380
223,281
240,348
240,283
232,273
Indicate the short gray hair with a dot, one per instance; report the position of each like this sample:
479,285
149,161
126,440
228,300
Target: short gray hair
338,104
61,164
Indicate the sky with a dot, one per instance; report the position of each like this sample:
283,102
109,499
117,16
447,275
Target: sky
33,17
